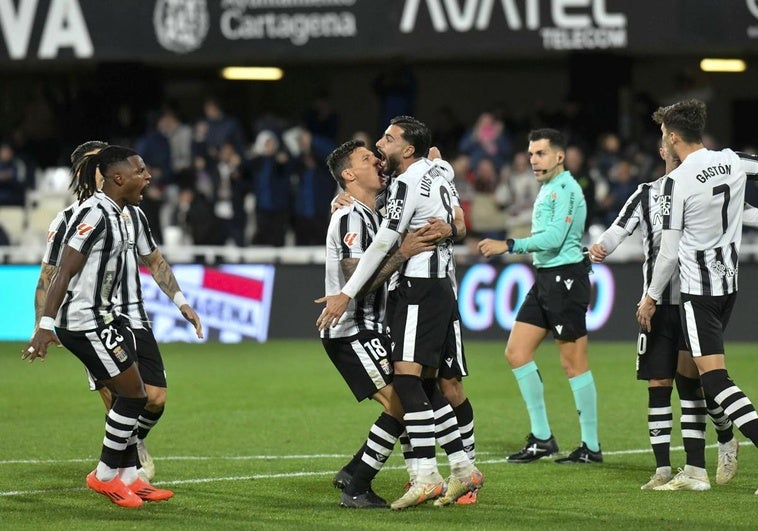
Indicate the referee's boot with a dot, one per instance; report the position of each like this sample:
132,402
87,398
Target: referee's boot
534,449
582,456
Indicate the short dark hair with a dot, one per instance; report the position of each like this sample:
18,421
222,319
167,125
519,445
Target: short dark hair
685,118
339,159
86,147
416,133
556,138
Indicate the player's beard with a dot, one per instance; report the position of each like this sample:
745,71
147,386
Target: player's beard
391,167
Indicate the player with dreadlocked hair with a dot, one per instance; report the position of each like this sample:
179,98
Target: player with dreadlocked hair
84,184
82,189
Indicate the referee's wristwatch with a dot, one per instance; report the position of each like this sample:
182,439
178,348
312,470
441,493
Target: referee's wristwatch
510,242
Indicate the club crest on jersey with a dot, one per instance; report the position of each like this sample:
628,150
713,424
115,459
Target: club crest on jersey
83,228
386,366
395,209
350,238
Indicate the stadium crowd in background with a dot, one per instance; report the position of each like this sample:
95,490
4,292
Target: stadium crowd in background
222,179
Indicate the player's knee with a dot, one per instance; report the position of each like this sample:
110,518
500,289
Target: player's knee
452,388
156,398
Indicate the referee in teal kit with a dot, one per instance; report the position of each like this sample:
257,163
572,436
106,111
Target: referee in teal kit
557,302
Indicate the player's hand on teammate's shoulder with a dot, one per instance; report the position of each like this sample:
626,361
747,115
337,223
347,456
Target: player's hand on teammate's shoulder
342,200
434,153
489,247
597,253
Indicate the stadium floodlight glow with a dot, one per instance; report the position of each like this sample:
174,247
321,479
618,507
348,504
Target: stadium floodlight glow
252,73
722,65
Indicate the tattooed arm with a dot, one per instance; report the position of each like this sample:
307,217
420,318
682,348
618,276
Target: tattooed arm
162,273
46,274
164,277
413,243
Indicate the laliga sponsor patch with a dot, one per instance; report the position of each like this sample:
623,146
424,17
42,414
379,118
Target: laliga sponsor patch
83,228
350,238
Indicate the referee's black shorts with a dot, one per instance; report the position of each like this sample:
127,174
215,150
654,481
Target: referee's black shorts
658,350
558,301
704,319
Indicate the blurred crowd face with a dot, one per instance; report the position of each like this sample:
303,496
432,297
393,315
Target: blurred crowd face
574,159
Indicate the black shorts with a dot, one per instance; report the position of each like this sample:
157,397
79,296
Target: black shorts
454,358
422,325
363,360
558,301
658,350
106,352
704,319
149,358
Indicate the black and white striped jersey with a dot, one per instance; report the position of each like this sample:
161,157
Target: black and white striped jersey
141,243
98,230
704,199
422,192
643,210
351,230
55,234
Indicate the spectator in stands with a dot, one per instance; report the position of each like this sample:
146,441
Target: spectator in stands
575,163
12,177
488,202
215,130
525,189
269,167
321,119
623,184
488,138
231,186
447,130
194,212
396,90
155,149
179,136
315,187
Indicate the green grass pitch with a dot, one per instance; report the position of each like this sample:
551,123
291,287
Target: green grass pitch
253,433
